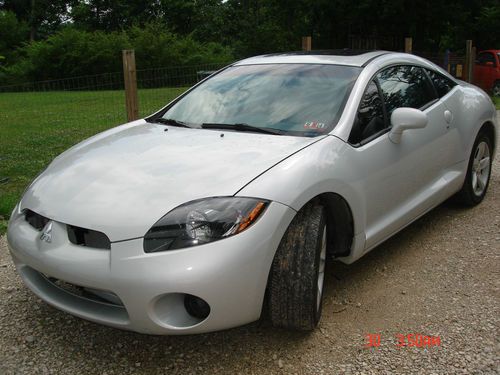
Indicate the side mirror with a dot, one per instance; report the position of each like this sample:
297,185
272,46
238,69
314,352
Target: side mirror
489,63
406,118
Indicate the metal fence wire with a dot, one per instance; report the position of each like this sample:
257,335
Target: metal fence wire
97,98
146,78
101,99
452,62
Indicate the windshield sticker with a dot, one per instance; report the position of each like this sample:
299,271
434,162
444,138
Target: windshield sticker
314,125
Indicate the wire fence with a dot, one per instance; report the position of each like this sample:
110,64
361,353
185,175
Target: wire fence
146,78
98,101
95,99
452,62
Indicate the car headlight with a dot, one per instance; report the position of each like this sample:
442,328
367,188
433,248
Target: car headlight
203,221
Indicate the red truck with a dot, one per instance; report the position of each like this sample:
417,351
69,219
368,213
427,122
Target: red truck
487,71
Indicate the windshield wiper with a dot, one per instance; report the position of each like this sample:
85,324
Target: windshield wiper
171,121
241,127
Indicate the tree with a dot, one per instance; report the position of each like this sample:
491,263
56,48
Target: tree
42,16
487,27
112,15
12,34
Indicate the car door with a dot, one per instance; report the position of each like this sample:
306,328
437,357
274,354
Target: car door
401,181
451,99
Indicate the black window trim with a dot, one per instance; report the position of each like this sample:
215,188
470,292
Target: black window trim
384,109
426,71
429,80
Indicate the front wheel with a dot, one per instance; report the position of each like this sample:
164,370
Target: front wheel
478,172
298,271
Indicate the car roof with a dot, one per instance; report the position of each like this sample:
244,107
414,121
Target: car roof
347,57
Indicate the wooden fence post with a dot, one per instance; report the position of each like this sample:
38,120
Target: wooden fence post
130,79
306,43
469,63
408,45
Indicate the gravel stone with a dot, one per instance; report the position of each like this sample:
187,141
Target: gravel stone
447,262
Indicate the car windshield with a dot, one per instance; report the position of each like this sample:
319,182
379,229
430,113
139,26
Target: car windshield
293,99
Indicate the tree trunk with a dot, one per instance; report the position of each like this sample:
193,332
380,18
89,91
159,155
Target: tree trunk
32,22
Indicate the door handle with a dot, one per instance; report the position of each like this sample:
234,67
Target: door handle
448,116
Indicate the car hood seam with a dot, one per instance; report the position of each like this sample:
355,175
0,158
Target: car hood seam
280,161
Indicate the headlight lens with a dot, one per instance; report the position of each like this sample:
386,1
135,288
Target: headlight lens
203,221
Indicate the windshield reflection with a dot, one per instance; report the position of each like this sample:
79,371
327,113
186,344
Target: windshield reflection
299,99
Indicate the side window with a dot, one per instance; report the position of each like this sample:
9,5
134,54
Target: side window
442,84
405,86
370,117
486,57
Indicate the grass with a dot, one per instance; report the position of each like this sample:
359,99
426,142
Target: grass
496,100
36,127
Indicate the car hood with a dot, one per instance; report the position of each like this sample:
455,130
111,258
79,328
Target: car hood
122,181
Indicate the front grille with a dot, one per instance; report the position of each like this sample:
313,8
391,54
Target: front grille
76,235
37,221
88,237
96,295
70,298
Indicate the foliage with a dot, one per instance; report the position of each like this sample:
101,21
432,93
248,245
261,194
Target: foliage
496,101
42,16
69,52
165,32
72,52
112,15
155,46
489,19
13,33
62,120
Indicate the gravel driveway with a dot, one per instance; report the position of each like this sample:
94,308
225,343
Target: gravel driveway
439,277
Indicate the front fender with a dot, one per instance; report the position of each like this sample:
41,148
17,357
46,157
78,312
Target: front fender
318,169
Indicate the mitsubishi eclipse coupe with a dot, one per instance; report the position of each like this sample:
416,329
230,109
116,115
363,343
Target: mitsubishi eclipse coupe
236,195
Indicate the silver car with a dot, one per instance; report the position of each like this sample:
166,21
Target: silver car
237,194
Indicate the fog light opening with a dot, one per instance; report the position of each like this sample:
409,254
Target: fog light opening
179,310
196,307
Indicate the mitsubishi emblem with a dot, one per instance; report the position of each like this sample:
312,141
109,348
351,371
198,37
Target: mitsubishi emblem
47,233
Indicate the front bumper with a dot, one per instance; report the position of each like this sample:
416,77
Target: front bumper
230,275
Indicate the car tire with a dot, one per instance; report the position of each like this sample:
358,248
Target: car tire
496,89
478,172
296,280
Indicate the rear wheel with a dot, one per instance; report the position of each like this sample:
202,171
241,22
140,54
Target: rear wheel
297,275
478,172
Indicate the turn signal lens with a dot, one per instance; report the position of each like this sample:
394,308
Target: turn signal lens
250,218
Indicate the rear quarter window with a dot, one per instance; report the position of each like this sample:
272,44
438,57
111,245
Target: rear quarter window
442,84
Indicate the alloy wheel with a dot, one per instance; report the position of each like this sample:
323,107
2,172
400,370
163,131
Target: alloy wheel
481,168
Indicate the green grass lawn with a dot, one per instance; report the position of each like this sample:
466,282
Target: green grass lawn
496,100
36,127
